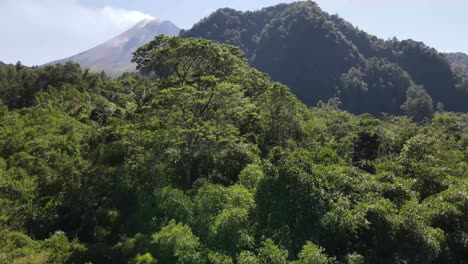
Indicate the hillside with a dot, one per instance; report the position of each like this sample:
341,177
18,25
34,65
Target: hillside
460,59
208,161
114,56
322,56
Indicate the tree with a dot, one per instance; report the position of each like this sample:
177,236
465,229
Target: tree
311,254
173,204
180,61
366,147
341,226
175,243
203,122
379,86
222,217
270,253
17,247
418,103
246,257
144,259
282,114
251,176
203,112
229,231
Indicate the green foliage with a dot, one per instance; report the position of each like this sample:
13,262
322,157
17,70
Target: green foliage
229,231
355,259
251,176
379,87
144,259
459,59
282,114
272,254
16,247
221,215
340,227
311,254
246,257
418,103
215,163
314,53
185,62
217,258
173,204
175,243
204,109
20,84
366,149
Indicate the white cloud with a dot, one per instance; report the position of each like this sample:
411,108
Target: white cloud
123,17
39,31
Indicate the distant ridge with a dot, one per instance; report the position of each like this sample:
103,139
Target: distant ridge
114,56
325,59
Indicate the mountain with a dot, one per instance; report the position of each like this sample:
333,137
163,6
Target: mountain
322,57
114,56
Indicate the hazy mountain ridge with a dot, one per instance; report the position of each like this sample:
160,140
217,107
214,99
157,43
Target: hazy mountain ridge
114,56
315,53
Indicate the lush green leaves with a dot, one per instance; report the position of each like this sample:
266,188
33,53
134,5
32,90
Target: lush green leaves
225,166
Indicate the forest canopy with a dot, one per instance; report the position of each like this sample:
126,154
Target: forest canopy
322,57
203,159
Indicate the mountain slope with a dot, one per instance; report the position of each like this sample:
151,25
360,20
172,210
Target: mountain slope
460,59
114,56
316,54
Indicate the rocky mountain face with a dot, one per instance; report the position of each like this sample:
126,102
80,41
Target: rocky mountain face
114,56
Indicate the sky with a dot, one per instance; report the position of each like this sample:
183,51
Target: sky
39,31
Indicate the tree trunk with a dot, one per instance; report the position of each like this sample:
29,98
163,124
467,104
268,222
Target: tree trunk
188,175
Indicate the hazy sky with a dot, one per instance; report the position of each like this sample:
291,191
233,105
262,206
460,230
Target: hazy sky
39,31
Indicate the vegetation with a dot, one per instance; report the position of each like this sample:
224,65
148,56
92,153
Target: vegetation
202,159
458,59
322,57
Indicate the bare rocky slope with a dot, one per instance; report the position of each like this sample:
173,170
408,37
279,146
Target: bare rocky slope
114,56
